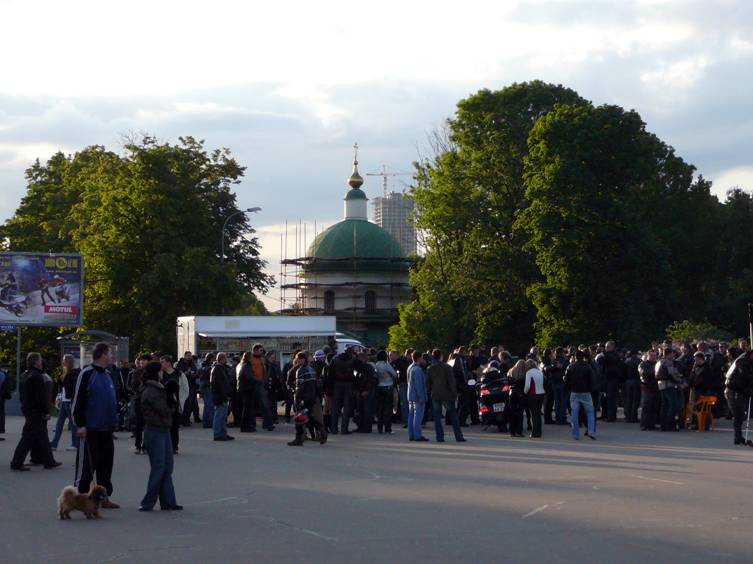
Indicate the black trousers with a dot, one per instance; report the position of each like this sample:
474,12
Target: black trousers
138,431
248,415
384,408
95,458
365,417
534,405
613,389
2,415
649,408
191,407
738,405
468,406
548,405
34,439
175,429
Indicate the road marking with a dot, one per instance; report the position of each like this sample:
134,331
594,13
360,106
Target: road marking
222,499
535,511
657,480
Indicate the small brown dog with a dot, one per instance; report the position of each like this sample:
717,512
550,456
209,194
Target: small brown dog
88,504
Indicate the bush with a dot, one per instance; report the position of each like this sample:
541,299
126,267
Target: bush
694,331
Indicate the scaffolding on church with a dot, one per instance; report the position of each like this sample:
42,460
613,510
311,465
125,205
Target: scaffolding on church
297,276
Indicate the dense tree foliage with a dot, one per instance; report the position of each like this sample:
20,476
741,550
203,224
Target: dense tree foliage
548,219
472,282
148,224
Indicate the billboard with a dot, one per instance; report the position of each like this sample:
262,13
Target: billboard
41,289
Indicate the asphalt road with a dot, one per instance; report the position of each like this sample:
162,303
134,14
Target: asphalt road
629,497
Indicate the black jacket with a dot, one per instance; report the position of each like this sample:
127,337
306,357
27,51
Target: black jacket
702,379
69,383
740,374
631,368
154,406
646,372
401,367
578,378
245,377
614,368
342,368
35,400
205,373
172,388
220,383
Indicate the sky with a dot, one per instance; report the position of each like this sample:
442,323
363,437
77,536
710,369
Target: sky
290,86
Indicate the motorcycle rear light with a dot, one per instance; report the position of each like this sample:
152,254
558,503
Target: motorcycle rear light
506,389
485,392
484,409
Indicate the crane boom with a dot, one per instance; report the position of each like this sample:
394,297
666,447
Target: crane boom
385,175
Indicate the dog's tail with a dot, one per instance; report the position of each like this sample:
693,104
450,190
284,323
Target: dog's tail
69,492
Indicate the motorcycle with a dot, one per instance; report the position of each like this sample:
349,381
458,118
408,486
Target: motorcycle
15,304
494,397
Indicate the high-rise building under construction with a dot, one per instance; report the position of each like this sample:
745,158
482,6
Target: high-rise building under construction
394,213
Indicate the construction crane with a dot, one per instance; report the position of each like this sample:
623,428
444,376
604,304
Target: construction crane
385,175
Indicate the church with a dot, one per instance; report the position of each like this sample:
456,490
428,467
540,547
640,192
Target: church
356,271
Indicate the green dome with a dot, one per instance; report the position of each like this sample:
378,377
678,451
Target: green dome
356,194
351,241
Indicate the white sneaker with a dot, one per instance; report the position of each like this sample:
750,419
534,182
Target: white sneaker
71,448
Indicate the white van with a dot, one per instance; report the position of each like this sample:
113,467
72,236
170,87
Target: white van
344,342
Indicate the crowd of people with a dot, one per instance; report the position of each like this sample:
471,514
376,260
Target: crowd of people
324,391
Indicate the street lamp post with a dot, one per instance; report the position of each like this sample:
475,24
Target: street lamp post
224,226
222,239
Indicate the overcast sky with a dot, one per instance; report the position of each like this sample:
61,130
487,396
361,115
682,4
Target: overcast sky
289,86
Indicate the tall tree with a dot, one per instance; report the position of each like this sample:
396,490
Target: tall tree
601,194
148,224
467,196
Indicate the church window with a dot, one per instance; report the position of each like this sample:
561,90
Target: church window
329,301
370,301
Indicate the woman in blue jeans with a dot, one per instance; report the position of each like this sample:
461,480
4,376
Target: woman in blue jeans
157,442
68,389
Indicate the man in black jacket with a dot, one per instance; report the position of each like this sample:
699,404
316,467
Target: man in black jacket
35,405
649,392
613,373
220,382
738,384
579,383
343,373
632,387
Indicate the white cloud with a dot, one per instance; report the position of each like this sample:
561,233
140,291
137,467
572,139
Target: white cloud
20,155
289,86
738,177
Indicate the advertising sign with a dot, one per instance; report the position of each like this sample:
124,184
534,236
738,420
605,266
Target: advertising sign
41,290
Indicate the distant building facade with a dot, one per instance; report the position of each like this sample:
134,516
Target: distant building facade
394,214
